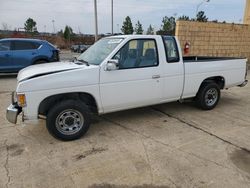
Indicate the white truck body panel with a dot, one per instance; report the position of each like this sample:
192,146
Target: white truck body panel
233,72
127,88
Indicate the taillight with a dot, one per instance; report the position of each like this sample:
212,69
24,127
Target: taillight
55,55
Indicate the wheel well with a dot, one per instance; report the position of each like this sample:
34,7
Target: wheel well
35,61
219,80
48,102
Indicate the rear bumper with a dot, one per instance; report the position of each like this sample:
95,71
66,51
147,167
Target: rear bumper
12,112
243,84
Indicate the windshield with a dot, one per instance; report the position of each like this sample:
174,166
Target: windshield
99,51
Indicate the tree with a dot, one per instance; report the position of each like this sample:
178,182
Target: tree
201,17
150,30
127,27
68,32
184,18
30,25
138,28
5,26
35,30
168,26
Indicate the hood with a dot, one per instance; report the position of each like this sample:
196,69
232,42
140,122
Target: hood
47,68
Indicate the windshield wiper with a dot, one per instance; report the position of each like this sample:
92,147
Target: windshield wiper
81,62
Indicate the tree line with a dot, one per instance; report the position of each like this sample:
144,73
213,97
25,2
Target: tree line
167,26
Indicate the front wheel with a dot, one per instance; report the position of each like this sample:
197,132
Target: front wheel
68,120
208,96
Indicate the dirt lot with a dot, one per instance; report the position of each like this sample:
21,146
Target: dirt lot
169,145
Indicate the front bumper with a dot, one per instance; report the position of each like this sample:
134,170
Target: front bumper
13,111
244,83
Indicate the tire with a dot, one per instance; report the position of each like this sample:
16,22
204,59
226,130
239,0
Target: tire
68,120
40,62
208,96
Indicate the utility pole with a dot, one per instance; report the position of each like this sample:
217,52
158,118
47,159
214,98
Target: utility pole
96,25
118,28
54,29
112,17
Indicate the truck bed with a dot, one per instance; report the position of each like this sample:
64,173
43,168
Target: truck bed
232,70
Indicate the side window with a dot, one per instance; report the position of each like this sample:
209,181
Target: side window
36,45
138,54
4,45
171,49
24,45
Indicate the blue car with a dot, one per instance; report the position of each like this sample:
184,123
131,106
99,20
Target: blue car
16,54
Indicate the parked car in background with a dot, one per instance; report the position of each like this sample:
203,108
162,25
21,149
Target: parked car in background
17,53
82,48
74,48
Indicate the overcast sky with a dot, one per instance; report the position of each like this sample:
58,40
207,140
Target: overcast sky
79,14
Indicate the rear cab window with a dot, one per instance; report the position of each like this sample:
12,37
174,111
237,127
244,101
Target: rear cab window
171,49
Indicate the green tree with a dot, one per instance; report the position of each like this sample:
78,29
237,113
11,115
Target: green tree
138,28
201,17
150,30
185,18
168,26
68,32
30,25
127,27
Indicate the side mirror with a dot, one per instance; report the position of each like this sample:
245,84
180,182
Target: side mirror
112,65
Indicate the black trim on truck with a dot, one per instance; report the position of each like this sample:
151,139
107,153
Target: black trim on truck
188,59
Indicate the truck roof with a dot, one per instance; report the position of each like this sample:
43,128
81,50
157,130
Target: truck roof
134,36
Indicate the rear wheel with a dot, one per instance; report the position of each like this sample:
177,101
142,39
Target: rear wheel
208,96
68,120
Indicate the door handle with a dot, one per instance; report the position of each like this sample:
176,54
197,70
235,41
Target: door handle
156,76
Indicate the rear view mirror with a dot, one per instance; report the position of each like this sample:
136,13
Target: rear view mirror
112,65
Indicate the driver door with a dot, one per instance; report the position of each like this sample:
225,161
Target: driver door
137,82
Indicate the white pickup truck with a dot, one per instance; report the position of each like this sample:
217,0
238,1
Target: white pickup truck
119,73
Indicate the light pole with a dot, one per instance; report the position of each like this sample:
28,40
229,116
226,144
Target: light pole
112,17
54,29
96,25
118,28
198,6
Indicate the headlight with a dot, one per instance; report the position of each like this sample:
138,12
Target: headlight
21,100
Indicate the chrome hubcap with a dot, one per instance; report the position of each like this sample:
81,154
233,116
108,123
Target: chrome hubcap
69,122
211,97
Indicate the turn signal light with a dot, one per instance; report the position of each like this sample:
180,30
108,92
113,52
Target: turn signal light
21,100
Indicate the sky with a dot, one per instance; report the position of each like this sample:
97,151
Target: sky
79,14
